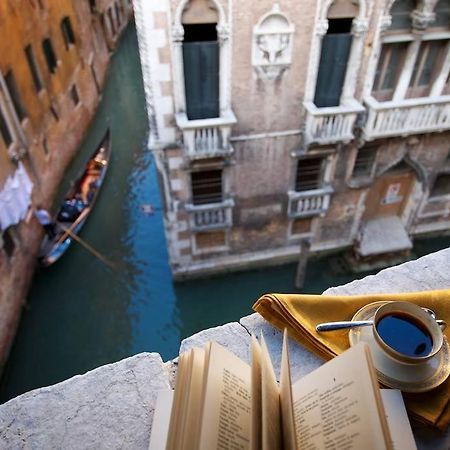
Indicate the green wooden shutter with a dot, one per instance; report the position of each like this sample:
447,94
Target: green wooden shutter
201,78
332,68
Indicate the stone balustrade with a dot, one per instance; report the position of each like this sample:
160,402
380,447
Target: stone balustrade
309,203
206,138
406,117
331,124
210,216
112,407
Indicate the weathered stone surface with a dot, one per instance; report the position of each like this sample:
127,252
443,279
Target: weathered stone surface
302,360
109,407
232,336
426,273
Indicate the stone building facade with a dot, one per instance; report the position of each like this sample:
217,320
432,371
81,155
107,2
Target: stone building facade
279,126
53,61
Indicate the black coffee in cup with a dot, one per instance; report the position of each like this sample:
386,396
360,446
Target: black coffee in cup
405,334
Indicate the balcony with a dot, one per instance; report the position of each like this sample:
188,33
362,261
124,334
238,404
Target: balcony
309,203
331,124
206,138
211,216
405,117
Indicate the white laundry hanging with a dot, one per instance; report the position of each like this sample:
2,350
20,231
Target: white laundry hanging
15,198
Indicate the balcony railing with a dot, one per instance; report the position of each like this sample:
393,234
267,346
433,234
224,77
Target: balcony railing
210,216
405,117
205,138
331,124
309,203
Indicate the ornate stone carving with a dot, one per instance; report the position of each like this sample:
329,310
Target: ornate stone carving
385,23
421,20
359,26
272,44
177,34
321,27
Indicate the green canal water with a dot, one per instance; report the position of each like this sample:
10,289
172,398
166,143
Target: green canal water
81,314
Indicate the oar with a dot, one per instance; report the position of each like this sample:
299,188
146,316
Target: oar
74,224
88,247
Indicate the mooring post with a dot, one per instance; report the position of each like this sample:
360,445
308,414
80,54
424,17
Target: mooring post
305,245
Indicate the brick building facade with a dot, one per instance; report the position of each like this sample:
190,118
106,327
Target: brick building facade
53,61
320,122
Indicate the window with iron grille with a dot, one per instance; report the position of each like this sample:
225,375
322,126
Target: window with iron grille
67,32
4,130
50,56
309,174
34,68
206,187
15,95
364,162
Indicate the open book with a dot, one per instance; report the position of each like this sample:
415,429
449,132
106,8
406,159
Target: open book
220,402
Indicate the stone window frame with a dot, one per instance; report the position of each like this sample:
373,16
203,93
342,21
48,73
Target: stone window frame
223,36
357,180
292,237
421,30
360,26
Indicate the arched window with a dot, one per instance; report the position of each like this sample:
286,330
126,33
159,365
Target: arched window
442,12
335,52
401,15
201,60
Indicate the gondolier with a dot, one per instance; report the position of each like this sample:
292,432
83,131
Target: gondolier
43,217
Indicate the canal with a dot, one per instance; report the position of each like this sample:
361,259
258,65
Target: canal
80,313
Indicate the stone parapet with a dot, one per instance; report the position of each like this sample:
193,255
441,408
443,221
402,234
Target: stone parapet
112,406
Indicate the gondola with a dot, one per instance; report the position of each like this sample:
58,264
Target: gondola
77,204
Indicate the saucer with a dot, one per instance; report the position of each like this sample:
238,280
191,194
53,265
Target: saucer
406,377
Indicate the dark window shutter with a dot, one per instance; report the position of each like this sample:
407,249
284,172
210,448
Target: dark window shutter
332,68
201,76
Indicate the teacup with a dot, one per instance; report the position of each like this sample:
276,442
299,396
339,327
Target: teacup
407,333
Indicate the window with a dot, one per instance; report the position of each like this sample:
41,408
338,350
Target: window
50,56
401,14
389,67
4,130
334,56
441,186
426,68
301,226
442,12
111,20
206,187
74,95
210,239
309,174
201,70
67,32
34,69
364,162
15,96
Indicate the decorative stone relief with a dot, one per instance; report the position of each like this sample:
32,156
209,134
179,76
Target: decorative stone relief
272,44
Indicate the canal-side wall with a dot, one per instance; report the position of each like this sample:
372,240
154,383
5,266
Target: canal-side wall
57,110
113,406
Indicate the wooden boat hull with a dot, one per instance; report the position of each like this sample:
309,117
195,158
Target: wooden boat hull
77,204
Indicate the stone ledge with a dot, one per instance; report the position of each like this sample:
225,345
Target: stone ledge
112,406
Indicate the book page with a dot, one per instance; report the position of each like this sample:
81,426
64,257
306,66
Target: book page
176,417
338,406
226,417
193,406
256,437
397,418
270,396
161,419
287,405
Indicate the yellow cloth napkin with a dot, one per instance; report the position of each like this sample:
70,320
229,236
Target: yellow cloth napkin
301,313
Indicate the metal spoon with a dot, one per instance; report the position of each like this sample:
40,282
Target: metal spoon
331,326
